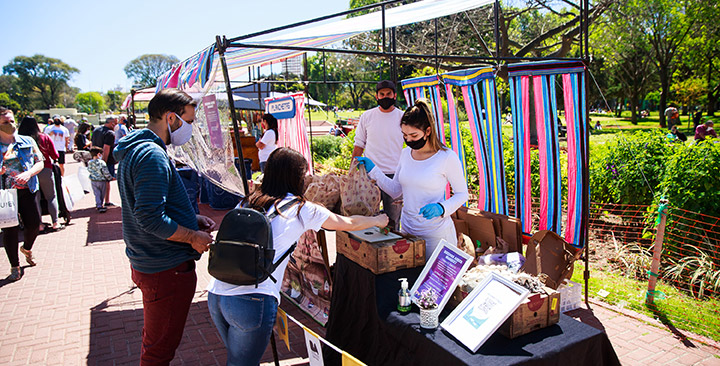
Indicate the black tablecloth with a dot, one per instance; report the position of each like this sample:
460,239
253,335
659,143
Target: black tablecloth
369,327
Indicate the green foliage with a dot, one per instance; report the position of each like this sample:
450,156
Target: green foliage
704,274
6,101
114,99
40,77
622,169
325,147
145,70
342,159
90,102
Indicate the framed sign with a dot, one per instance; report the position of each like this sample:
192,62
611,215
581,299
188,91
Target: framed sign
482,312
442,273
282,108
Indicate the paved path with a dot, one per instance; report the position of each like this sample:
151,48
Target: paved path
79,306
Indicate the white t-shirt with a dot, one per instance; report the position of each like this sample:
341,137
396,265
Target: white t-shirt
380,135
286,229
421,182
269,140
70,124
58,134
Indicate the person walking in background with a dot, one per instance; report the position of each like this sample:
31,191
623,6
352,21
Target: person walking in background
425,168
21,162
99,177
71,126
46,178
162,234
61,139
672,115
244,315
704,130
104,138
268,143
378,136
121,129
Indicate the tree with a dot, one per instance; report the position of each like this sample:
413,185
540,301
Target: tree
114,99
40,76
146,69
6,101
90,102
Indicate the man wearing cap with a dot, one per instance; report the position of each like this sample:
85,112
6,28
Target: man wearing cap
104,138
378,136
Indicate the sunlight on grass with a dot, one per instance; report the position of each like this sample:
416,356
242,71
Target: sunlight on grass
677,309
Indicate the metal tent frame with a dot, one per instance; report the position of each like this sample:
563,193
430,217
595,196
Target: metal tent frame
222,44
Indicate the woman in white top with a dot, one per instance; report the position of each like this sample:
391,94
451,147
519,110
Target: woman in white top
244,315
268,143
425,168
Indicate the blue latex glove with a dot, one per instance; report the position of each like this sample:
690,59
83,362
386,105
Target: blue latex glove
365,162
432,210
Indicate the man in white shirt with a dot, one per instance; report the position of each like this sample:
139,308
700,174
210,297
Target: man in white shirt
61,139
378,136
71,125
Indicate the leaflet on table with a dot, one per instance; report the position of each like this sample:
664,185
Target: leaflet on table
442,273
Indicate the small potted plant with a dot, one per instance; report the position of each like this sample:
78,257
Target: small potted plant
428,309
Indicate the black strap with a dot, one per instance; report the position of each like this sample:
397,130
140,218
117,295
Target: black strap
283,208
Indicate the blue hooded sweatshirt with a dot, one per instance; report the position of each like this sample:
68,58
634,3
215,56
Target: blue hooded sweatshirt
154,203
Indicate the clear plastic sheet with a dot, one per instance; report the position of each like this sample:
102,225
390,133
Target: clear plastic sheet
215,164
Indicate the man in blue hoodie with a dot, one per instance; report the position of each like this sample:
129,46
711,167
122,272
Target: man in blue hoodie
163,236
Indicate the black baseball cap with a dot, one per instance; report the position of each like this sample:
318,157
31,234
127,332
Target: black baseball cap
385,84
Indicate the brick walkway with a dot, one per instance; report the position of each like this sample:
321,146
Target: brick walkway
79,306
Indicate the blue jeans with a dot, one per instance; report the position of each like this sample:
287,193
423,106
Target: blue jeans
245,323
262,166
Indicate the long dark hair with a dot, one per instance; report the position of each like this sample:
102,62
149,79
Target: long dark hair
284,173
272,124
420,117
29,127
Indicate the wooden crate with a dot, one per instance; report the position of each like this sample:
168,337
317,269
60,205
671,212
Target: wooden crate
389,256
536,312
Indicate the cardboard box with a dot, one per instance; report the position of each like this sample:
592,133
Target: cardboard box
383,257
536,312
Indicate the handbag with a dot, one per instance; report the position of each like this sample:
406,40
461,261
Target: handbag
8,207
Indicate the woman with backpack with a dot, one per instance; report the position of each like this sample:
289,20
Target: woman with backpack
245,315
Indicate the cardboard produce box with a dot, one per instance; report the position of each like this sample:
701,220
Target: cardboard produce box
536,312
382,257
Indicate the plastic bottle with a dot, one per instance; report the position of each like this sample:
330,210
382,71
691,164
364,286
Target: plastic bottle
404,302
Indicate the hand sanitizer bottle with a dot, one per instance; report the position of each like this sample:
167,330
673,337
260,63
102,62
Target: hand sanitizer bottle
404,302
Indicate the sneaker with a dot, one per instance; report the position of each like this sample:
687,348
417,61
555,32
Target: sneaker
109,204
15,274
28,256
102,210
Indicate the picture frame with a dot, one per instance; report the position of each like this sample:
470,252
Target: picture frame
442,272
484,310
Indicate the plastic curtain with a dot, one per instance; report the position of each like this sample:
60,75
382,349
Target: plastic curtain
480,97
542,76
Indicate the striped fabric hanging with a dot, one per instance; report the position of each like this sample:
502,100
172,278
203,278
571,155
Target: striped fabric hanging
427,87
455,135
291,131
542,75
479,93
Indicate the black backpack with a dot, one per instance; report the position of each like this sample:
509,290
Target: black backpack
243,250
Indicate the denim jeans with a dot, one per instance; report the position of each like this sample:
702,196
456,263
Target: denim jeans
245,323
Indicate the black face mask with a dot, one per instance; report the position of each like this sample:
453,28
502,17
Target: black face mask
386,103
417,144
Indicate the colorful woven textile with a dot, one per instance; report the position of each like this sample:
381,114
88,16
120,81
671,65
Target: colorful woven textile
542,76
479,94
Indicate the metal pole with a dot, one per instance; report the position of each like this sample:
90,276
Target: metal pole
383,29
221,45
274,349
132,105
586,157
307,96
437,61
496,8
393,40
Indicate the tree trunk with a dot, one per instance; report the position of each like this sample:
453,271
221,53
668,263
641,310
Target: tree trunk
711,96
633,108
665,89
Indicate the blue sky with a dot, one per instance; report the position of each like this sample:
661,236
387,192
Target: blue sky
101,37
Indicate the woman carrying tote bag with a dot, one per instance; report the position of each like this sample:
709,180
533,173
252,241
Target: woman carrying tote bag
21,161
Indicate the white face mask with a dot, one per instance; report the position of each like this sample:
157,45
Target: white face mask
182,135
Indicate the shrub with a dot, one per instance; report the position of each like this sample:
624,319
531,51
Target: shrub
325,147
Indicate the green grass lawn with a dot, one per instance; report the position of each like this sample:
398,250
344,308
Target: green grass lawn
330,116
676,310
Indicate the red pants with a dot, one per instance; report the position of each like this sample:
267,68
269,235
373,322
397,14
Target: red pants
167,296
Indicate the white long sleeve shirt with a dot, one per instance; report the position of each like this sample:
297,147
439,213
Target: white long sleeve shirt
421,182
